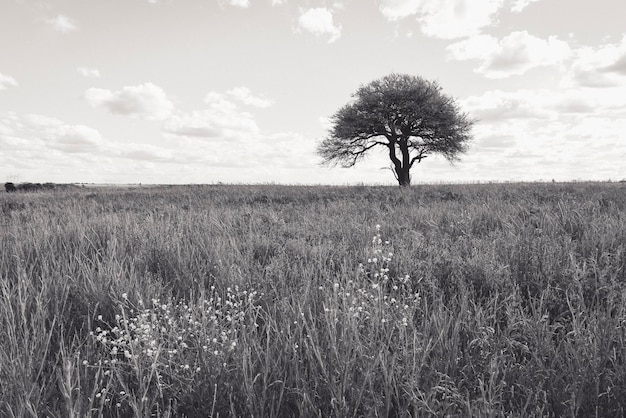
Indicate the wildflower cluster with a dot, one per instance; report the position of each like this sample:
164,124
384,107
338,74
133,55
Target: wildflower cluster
377,267
374,297
169,346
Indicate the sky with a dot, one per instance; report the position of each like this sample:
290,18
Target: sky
241,91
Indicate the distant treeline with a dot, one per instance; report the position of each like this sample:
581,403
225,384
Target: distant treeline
32,187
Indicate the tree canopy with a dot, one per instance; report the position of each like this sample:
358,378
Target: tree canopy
408,115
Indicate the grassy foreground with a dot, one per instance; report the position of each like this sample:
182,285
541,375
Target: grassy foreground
268,301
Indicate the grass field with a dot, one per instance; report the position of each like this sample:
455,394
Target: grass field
279,301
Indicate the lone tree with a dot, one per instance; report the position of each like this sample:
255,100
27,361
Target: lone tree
408,115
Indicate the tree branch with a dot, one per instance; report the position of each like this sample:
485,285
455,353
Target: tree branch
392,155
417,158
367,148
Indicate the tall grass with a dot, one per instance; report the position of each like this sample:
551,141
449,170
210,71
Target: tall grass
268,301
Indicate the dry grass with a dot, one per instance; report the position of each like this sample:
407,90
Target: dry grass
490,300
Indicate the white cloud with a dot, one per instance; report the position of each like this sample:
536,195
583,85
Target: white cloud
503,106
145,100
88,72
219,101
399,9
245,96
519,52
62,24
603,66
498,105
278,2
59,135
6,82
619,66
238,3
561,134
36,133
220,120
492,143
210,123
514,54
76,138
143,152
319,22
447,19
42,148
519,5
277,151
223,137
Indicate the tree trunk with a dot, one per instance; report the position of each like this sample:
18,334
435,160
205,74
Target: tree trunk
404,177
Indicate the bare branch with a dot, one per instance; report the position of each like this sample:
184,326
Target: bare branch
417,158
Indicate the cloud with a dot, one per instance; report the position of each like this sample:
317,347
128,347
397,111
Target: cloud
619,66
277,151
41,148
520,52
62,136
319,22
399,9
514,54
62,24
7,81
37,133
237,3
559,133
602,66
219,101
88,72
145,100
224,136
76,138
278,2
245,96
495,143
498,105
222,119
447,19
519,5
143,152
209,123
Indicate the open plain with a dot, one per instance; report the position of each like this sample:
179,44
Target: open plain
268,301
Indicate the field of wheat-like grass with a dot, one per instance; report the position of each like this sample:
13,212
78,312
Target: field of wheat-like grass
280,301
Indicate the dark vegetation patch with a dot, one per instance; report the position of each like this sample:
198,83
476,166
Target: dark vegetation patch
10,187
